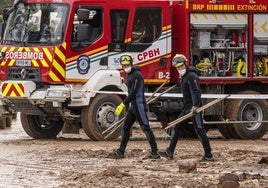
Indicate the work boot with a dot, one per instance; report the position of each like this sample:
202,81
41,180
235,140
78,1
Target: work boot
153,155
166,153
116,155
207,159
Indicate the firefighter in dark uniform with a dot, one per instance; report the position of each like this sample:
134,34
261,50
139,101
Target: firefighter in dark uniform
191,92
136,111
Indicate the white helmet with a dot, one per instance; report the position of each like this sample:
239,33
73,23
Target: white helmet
178,60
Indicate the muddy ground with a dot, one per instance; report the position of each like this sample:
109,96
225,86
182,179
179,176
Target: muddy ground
76,161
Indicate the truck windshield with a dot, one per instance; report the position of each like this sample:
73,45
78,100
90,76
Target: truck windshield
36,24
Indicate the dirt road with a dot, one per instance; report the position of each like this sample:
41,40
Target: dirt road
75,161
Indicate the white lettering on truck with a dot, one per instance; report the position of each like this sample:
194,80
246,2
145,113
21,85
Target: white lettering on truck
24,55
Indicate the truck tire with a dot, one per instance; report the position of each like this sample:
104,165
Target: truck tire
222,128
230,131
39,128
249,110
99,115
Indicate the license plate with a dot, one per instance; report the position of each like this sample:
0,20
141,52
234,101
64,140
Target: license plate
23,63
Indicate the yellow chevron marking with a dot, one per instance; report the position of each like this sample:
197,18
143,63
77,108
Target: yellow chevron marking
12,94
12,62
21,48
60,54
21,93
225,16
59,68
53,76
48,54
235,16
215,16
205,16
263,26
255,27
64,45
195,16
4,93
44,63
35,63
4,49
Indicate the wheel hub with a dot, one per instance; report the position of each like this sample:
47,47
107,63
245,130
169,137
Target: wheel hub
106,116
252,112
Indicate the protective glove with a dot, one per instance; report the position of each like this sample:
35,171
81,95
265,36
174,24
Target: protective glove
193,110
119,109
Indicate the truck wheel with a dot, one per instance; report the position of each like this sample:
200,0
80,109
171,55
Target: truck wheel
224,128
40,127
249,110
229,129
99,115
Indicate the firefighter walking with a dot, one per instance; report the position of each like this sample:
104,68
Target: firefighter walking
192,100
136,111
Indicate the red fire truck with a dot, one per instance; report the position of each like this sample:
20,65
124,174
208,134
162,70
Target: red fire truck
59,62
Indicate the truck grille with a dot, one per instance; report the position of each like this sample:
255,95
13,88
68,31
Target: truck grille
21,73
27,107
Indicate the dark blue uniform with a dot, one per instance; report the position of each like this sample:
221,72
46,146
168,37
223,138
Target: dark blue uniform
137,110
191,97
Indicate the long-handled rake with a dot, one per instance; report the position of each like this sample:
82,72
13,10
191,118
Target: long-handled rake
118,124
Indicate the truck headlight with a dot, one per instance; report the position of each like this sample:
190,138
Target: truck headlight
58,93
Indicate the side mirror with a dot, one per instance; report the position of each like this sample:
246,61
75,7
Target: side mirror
82,14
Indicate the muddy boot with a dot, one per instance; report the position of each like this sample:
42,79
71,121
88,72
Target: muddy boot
116,155
152,155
